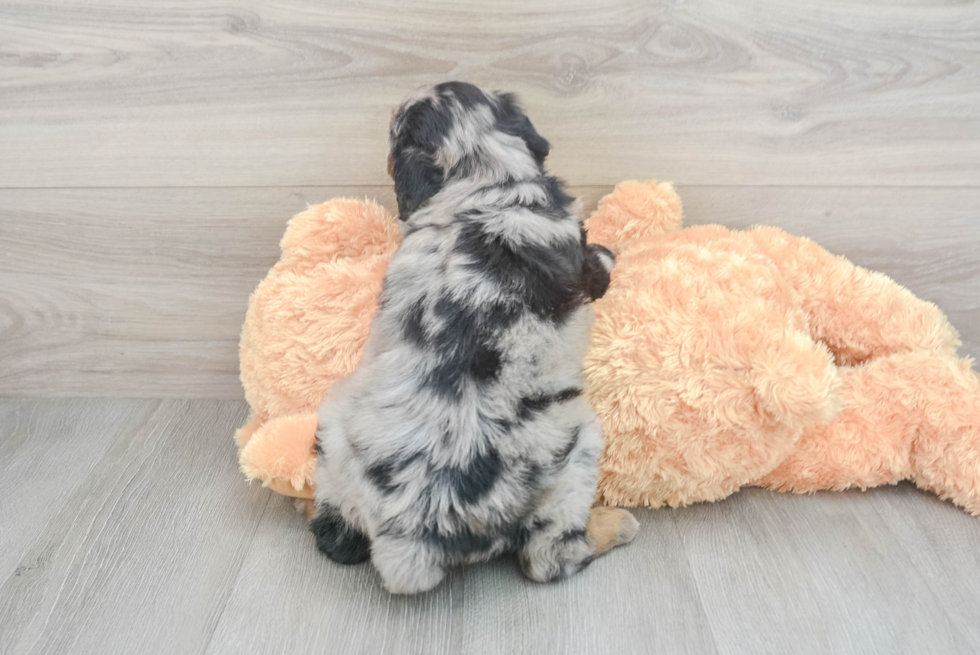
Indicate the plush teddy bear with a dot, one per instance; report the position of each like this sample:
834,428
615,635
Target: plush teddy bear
719,359
306,324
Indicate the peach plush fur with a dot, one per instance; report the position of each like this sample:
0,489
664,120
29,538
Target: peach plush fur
719,359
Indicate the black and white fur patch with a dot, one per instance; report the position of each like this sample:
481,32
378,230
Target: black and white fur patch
464,432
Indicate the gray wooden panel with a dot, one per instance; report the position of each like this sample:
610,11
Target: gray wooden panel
779,573
632,600
139,557
942,544
158,93
142,292
155,544
138,292
47,450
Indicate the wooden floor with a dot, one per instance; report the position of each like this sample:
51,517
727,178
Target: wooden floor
150,155
126,528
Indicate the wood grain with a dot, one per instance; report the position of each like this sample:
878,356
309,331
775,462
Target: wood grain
140,555
145,538
142,292
784,573
107,287
47,450
300,91
626,602
921,523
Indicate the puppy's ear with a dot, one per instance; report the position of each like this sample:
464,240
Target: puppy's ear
417,178
512,120
536,143
421,130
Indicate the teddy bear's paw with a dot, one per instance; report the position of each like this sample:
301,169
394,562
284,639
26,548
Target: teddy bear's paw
281,453
609,527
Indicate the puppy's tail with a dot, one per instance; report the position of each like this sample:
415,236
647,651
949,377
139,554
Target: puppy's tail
282,454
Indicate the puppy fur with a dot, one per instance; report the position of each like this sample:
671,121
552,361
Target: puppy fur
464,433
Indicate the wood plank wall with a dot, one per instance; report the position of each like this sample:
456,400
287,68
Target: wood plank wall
151,152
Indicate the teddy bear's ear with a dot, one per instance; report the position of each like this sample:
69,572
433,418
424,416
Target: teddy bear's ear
635,210
338,228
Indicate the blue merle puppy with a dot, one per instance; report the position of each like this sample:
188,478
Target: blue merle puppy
464,434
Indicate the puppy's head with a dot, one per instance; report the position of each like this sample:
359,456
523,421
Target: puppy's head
454,131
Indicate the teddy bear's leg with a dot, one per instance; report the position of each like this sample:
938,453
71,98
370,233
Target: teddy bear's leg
866,444
946,452
281,454
859,314
910,416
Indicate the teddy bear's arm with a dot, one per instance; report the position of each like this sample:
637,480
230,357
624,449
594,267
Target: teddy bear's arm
859,314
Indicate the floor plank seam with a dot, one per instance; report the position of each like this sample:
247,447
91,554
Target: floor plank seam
953,623
694,580
156,431
238,573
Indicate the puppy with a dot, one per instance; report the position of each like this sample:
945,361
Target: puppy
463,433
